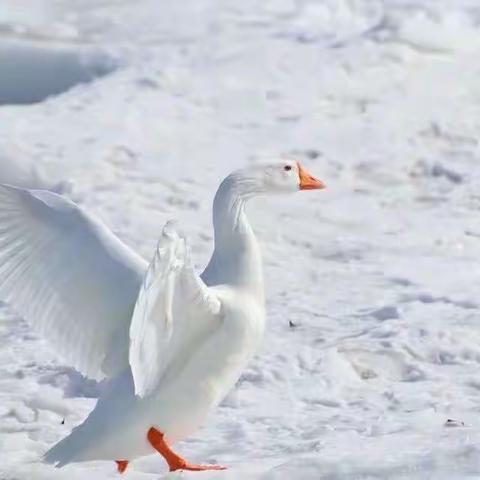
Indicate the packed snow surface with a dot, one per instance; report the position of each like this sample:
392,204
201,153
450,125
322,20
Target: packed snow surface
136,110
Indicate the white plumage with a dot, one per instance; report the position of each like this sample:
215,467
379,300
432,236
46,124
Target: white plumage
171,342
171,289
70,277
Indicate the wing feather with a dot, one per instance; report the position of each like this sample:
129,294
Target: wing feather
68,276
170,296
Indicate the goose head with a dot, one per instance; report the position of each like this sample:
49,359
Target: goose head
274,178
236,256
288,176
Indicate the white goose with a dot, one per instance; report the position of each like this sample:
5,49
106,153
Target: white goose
172,343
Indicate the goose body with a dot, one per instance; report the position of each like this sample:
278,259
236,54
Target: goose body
116,428
171,343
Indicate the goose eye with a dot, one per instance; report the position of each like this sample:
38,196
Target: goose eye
287,168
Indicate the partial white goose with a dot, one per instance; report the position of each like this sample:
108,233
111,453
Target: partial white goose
171,342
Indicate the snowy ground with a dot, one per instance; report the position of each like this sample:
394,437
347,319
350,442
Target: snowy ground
379,273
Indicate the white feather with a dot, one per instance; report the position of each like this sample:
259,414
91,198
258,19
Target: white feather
170,290
67,274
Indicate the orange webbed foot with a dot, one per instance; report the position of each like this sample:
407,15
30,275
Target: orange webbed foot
175,462
121,465
197,468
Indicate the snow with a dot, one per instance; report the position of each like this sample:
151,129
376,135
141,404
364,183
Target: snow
154,102
32,73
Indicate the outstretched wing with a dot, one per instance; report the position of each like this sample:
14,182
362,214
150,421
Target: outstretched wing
174,308
69,276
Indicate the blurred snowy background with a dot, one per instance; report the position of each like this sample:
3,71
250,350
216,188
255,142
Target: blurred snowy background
137,109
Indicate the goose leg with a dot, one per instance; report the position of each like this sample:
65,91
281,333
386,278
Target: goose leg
121,465
175,462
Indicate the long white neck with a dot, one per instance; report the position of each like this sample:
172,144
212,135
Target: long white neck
236,259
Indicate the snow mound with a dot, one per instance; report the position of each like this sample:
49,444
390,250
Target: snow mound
440,33
19,167
31,72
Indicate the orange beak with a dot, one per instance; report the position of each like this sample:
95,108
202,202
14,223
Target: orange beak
307,181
